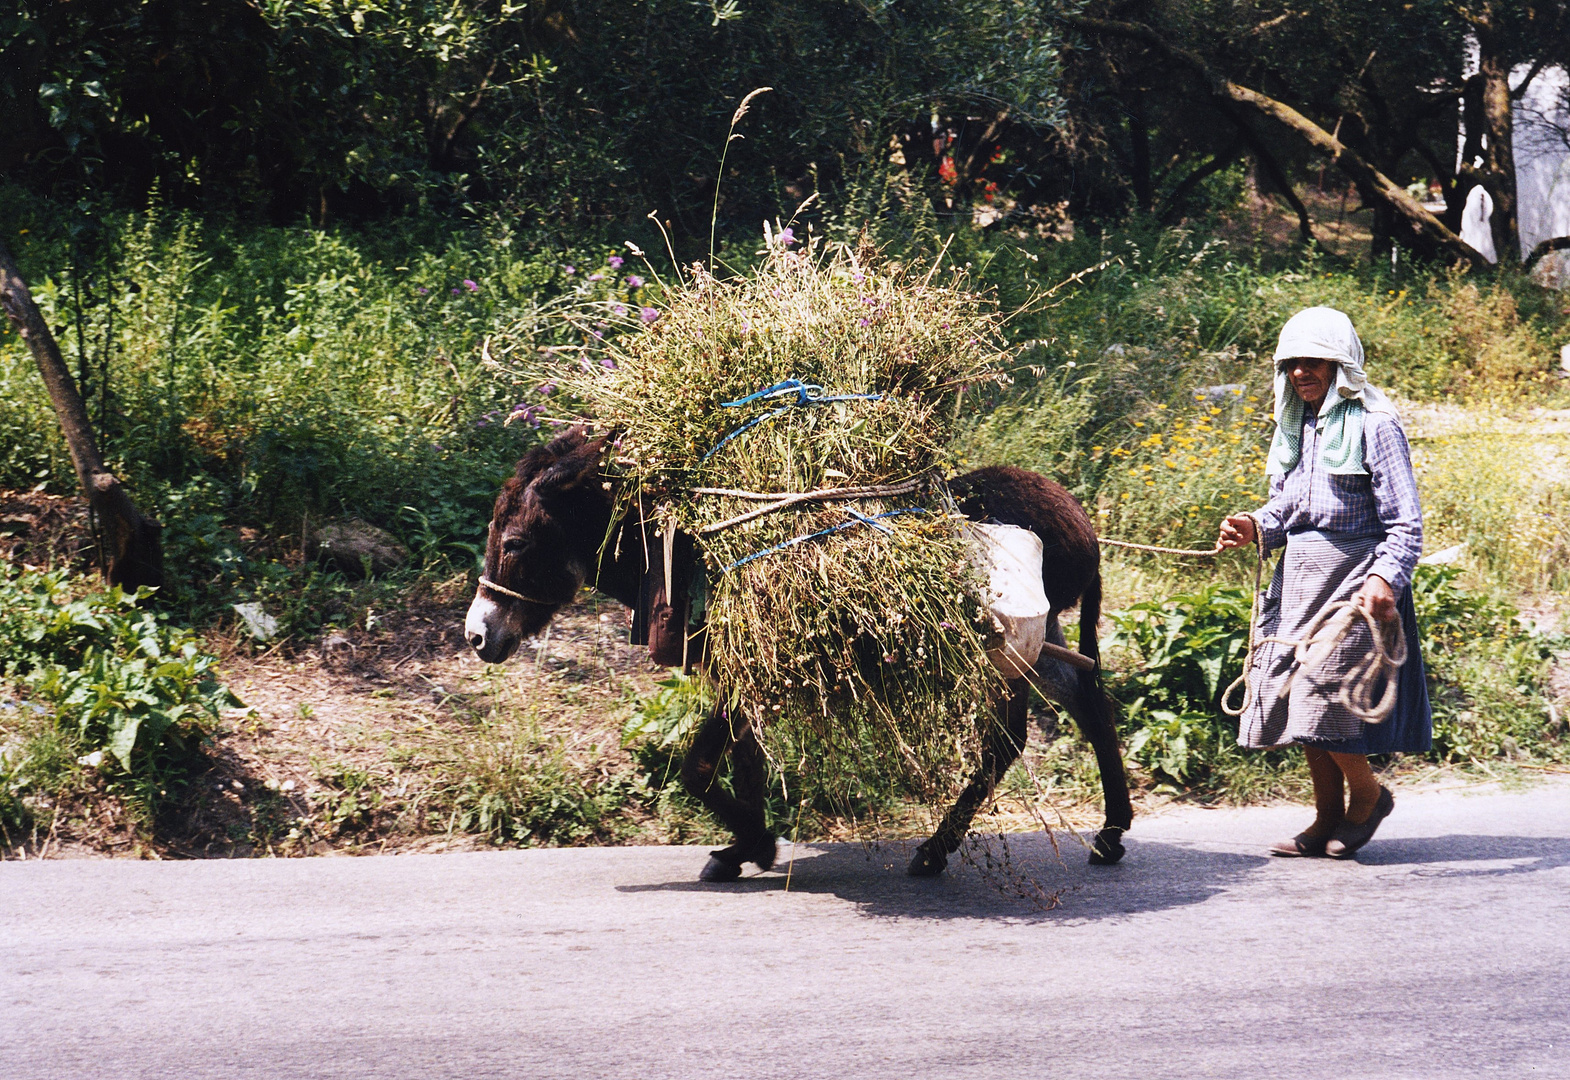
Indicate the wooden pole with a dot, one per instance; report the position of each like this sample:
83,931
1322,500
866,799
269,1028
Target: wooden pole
134,545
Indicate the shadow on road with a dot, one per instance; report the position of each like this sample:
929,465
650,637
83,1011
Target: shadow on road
1435,856
1017,877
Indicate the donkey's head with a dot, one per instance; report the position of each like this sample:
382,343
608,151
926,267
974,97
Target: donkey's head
549,522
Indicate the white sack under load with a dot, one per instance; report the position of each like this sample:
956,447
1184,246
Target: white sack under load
1010,558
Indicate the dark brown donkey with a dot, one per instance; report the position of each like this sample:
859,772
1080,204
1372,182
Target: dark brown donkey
548,538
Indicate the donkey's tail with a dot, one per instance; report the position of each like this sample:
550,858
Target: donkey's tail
1089,616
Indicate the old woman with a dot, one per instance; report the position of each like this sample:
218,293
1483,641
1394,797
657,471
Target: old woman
1343,502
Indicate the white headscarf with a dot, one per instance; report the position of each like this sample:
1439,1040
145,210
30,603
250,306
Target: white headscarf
1325,334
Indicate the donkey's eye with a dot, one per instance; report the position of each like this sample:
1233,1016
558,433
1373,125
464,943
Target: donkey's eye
512,545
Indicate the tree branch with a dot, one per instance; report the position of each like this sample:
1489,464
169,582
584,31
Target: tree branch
1278,177
1186,186
1349,161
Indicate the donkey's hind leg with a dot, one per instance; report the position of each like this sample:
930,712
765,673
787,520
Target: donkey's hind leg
1081,695
1003,745
742,813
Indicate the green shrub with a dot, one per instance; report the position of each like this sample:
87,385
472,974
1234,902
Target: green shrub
1488,673
1184,651
103,682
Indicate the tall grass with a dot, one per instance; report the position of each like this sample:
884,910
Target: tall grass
247,382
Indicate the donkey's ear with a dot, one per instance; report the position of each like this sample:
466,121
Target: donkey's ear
575,470
533,464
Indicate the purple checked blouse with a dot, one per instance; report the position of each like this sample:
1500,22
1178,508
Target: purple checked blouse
1384,503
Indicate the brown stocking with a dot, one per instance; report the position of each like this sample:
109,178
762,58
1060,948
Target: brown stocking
1329,795
1362,787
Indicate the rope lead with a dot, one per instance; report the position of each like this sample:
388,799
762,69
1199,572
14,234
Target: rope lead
1319,642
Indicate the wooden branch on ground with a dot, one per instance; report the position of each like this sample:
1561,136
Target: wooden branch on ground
1557,243
134,554
1349,161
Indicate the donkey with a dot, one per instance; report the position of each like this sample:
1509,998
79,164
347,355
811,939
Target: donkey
553,530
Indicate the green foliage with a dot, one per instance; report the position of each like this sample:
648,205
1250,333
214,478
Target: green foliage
560,112
1184,651
1488,673
132,697
245,383
662,725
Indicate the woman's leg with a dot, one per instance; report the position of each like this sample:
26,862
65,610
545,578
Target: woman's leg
1362,787
1329,793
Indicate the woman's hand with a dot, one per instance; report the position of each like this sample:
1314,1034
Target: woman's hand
1376,598
1237,531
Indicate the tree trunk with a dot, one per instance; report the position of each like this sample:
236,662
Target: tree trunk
1498,174
1139,149
134,545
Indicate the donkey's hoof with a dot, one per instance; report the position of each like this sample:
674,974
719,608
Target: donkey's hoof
1108,847
718,870
927,863
766,851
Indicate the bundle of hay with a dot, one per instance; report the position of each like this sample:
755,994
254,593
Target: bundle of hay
838,625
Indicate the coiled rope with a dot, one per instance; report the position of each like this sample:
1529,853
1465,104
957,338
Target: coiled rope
1319,642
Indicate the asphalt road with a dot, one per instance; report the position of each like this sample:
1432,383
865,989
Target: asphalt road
1444,953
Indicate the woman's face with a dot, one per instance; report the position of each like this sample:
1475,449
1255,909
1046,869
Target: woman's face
1311,377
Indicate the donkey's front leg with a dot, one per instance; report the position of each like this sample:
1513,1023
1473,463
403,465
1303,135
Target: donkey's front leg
1002,746
742,813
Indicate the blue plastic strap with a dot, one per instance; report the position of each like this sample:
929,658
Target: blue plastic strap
858,519
805,394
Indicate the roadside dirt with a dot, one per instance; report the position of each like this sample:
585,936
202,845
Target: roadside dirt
345,746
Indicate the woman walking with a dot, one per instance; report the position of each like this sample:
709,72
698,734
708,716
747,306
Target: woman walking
1343,502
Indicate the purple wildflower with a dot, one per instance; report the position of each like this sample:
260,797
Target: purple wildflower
616,261
471,285
608,363
634,281
598,333
596,277
870,300
648,314
547,389
787,236
863,322
620,309
858,277
569,270
422,290
456,291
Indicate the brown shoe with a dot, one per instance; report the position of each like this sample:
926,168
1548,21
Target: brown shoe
1348,838
1301,846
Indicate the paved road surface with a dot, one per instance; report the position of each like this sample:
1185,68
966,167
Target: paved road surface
1445,953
